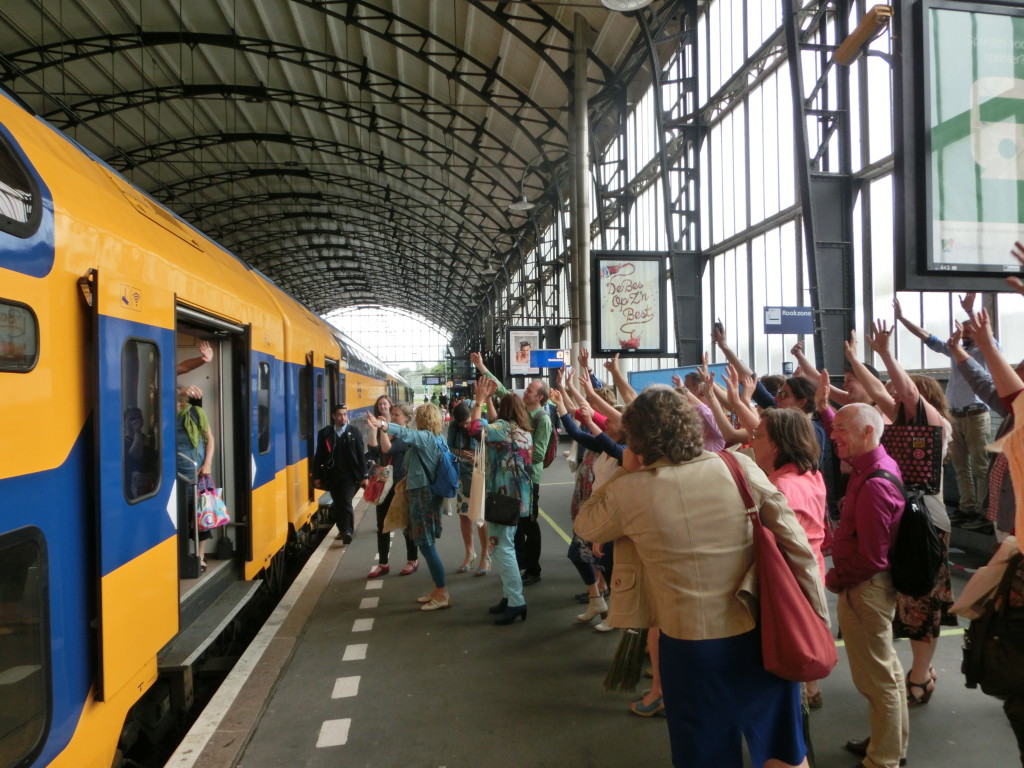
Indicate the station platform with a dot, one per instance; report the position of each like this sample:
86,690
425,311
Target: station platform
349,672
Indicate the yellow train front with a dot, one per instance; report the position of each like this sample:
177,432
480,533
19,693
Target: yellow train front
107,305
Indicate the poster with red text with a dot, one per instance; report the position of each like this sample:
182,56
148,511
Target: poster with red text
629,304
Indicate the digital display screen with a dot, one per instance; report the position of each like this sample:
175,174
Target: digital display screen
974,133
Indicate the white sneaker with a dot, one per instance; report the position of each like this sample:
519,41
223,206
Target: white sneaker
603,627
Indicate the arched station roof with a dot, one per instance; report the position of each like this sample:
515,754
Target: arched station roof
358,152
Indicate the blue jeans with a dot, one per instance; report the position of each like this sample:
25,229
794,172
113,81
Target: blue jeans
504,562
434,564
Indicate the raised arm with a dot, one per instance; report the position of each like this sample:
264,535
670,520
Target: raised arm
874,388
622,386
746,416
1015,282
725,426
205,356
1003,375
597,402
718,337
917,330
903,385
803,365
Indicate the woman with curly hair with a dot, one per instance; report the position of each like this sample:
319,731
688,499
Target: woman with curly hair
425,447
683,543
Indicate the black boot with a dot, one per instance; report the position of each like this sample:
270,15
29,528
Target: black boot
500,607
511,614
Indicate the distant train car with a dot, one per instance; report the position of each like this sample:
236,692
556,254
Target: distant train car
107,304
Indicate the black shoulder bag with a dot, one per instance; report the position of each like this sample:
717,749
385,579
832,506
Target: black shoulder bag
994,643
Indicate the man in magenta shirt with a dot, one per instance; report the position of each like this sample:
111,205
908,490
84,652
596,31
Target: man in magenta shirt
870,517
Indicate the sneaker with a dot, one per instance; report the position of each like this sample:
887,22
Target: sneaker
603,627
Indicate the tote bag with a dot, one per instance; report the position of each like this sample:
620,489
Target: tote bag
478,486
398,513
379,485
212,511
795,643
916,447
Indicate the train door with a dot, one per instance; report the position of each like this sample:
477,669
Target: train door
133,347
210,407
335,387
308,406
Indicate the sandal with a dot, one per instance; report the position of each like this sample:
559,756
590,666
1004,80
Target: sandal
202,565
466,564
482,571
815,700
926,689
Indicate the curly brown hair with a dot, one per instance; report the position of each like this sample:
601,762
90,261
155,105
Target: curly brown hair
792,434
661,422
511,408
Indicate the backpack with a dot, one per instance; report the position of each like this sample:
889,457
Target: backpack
549,455
916,557
446,474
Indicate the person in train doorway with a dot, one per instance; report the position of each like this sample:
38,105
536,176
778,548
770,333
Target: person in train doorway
339,466
535,398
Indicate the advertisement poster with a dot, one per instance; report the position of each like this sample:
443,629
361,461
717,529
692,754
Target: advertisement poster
629,303
975,121
522,341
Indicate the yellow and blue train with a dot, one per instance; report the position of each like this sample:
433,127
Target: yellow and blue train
104,296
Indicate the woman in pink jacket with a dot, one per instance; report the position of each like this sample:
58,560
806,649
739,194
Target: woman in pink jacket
786,448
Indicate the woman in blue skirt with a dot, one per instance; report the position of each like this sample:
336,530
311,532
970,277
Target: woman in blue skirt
684,552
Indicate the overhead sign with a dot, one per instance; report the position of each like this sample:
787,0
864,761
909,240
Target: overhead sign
549,358
788,320
433,380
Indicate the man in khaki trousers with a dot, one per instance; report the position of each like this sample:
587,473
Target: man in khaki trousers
867,529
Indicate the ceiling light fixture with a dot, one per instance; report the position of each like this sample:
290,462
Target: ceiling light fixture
625,6
521,205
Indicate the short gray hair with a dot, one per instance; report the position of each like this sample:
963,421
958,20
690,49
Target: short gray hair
863,416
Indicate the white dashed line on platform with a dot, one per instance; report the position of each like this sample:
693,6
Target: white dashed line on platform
355,652
374,584
344,687
362,625
333,733
368,602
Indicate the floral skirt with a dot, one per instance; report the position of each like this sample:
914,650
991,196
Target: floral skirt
920,618
424,516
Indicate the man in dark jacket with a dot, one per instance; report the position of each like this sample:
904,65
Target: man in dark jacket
339,466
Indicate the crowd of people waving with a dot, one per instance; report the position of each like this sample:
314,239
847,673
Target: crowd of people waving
662,537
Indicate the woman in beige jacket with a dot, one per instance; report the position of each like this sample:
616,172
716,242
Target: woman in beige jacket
684,557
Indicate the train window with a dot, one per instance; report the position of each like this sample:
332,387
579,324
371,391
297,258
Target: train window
263,408
321,403
140,418
305,402
19,337
24,690
18,195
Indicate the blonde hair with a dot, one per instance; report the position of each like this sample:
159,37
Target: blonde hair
428,417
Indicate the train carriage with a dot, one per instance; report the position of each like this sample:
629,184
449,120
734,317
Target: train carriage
105,299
